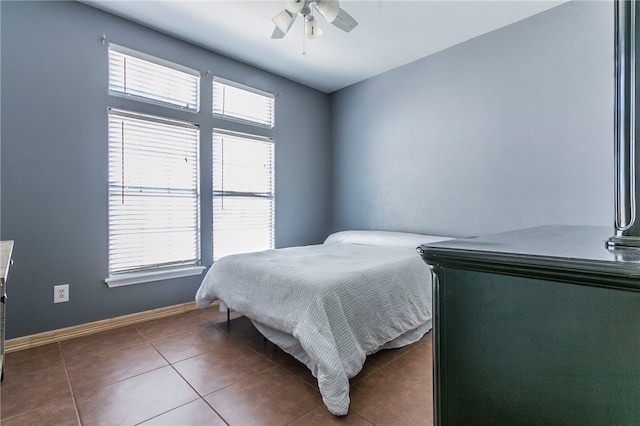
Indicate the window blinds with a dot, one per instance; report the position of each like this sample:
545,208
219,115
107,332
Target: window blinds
140,76
243,193
235,101
154,202
153,193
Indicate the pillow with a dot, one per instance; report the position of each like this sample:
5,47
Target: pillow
382,238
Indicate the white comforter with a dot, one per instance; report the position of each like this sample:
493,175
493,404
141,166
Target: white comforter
342,302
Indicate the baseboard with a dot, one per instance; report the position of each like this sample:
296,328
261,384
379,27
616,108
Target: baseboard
53,336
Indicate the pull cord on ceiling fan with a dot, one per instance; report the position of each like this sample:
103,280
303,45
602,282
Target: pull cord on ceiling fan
329,9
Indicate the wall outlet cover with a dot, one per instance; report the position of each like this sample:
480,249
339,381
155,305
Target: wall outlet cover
61,293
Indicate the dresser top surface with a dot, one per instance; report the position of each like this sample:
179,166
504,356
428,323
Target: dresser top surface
586,242
6,249
561,247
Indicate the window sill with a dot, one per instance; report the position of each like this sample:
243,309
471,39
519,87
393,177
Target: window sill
145,277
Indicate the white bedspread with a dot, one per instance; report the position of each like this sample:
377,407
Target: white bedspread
342,302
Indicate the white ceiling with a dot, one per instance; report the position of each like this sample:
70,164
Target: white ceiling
390,33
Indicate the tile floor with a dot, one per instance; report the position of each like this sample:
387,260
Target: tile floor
194,369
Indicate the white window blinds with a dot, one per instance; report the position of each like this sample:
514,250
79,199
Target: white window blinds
150,79
153,193
237,102
243,193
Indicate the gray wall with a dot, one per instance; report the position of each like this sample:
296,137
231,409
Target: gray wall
54,160
509,130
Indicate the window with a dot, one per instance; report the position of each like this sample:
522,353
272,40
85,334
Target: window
243,193
154,199
242,103
153,193
154,169
143,77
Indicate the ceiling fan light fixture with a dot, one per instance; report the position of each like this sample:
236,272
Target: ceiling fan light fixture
311,28
283,21
328,9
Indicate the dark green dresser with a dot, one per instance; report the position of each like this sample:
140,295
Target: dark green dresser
539,326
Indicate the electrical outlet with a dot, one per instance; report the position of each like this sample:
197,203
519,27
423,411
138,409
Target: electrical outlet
61,293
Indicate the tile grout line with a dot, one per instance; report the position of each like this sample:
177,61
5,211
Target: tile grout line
73,397
216,411
202,397
183,378
117,381
286,371
150,343
169,364
274,366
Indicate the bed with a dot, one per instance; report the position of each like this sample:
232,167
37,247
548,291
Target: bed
332,304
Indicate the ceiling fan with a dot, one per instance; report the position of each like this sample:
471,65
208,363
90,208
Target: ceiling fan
329,9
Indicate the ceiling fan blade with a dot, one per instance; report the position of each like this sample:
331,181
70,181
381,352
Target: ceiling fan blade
344,21
294,6
284,21
277,33
328,8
